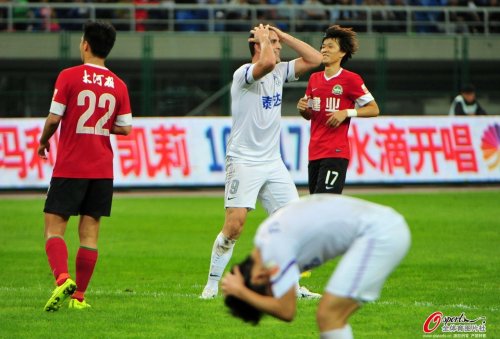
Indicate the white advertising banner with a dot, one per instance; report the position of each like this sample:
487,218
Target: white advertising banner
189,152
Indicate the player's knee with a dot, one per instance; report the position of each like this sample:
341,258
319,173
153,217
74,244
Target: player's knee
233,228
233,225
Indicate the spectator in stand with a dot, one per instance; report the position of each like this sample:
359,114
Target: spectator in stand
48,15
399,16
428,21
237,17
494,17
466,102
315,16
354,19
141,14
3,16
74,17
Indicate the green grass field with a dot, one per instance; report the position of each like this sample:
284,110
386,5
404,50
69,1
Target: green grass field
154,256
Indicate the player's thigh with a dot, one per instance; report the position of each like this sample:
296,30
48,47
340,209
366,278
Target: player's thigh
98,199
65,196
312,172
331,175
279,189
365,266
243,183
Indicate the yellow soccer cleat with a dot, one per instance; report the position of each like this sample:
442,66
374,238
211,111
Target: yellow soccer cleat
78,305
60,294
305,274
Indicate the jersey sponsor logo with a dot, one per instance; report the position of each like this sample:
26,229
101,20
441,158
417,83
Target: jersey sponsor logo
329,187
337,90
231,198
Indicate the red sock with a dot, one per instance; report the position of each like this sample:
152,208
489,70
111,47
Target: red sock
57,253
85,263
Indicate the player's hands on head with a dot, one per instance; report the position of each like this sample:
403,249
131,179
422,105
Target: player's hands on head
260,33
233,282
278,31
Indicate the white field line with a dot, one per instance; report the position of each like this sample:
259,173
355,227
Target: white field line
165,294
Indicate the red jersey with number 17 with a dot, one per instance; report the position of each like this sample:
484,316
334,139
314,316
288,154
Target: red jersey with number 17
344,90
90,99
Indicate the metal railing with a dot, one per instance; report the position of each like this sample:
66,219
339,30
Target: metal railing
168,16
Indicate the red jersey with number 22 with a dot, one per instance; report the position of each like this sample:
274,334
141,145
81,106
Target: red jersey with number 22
342,91
90,100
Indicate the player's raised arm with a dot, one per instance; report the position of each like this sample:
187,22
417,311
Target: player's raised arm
264,56
309,56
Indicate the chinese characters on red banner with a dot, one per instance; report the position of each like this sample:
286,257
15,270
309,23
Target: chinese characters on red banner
169,149
18,150
171,152
397,145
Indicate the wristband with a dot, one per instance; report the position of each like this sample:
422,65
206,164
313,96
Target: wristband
352,113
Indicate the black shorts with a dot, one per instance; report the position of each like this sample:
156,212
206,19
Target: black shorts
69,196
327,175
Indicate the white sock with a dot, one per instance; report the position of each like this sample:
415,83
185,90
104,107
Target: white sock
221,254
338,333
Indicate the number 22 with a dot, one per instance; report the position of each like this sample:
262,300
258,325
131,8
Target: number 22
103,99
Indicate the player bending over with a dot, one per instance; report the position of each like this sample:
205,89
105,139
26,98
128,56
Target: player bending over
372,239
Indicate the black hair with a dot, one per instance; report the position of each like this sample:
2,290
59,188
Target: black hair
468,88
238,307
251,45
346,38
100,36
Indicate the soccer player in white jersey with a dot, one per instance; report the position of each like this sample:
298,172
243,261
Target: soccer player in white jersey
372,239
254,168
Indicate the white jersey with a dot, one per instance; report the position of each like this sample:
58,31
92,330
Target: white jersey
256,111
290,242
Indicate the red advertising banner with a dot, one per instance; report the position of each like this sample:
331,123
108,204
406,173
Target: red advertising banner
176,152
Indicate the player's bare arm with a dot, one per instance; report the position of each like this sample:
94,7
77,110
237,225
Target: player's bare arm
336,118
266,58
303,108
309,56
121,130
282,308
50,127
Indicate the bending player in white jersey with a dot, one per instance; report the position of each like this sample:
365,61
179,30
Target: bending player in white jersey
373,239
254,168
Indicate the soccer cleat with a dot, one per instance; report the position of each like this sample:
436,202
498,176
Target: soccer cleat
60,294
209,292
304,293
78,305
305,274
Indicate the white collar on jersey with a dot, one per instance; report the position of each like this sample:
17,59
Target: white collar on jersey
94,65
333,76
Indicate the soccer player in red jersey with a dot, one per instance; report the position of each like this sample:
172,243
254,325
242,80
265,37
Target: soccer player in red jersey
90,102
332,98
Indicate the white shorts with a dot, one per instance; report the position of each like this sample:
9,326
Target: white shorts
364,268
270,182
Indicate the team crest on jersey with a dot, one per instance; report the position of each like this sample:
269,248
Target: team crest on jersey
337,90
